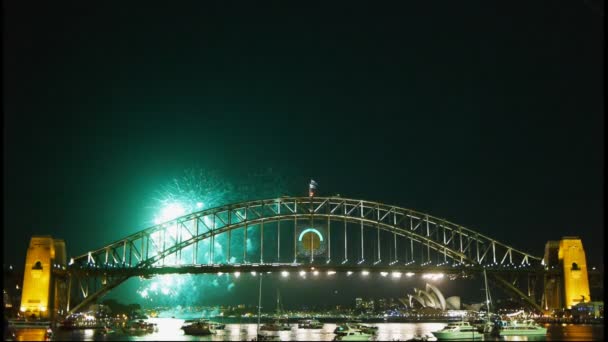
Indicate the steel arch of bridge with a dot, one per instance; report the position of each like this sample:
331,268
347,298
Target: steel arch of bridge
147,250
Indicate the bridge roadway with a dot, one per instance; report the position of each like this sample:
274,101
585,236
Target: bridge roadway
294,269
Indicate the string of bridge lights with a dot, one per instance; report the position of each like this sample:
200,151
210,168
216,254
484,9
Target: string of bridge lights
314,272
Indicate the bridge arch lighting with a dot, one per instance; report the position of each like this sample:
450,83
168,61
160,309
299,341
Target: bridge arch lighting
310,230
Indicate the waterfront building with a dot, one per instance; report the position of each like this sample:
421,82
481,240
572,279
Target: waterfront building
359,303
431,297
588,310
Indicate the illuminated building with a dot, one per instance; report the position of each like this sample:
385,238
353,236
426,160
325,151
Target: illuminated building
431,297
359,303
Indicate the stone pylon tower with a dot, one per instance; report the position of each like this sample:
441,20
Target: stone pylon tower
42,293
571,286
576,280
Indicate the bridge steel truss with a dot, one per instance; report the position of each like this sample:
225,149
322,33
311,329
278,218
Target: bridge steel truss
400,239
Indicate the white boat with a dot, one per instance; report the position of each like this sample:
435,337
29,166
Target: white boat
521,328
352,334
458,331
310,324
342,328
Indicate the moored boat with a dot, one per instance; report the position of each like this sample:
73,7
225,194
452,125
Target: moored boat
140,327
352,334
342,328
197,328
23,323
276,326
310,324
521,328
458,331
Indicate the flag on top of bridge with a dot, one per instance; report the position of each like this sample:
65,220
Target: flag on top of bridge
312,188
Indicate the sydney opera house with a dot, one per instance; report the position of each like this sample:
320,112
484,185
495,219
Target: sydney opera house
432,298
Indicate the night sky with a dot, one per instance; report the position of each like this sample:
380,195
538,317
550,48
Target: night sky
489,115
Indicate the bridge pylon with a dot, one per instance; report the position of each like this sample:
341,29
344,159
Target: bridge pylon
567,280
44,286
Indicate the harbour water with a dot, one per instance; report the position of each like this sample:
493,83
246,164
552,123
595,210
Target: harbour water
169,330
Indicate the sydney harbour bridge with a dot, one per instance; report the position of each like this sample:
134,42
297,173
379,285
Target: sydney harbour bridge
292,235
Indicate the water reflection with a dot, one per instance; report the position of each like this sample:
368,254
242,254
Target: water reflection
169,330
30,334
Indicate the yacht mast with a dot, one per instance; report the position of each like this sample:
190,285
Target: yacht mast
278,303
259,303
485,279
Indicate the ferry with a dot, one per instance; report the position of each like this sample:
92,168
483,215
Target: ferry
458,331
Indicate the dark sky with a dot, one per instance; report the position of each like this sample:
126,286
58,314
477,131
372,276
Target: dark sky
487,114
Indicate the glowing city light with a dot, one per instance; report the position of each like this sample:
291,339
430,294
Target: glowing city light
220,273
199,204
349,273
409,274
384,274
331,272
315,272
432,276
364,273
396,274
285,274
237,274
253,273
303,273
